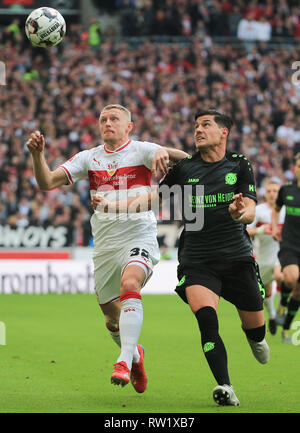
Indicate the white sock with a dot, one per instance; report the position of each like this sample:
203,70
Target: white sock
269,303
130,323
115,335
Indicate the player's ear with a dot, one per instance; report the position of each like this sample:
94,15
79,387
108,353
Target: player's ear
130,127
225,132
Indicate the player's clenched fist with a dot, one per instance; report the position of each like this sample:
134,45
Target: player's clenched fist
99,202
36,142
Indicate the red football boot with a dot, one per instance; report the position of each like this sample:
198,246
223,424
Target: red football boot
121,374
138,375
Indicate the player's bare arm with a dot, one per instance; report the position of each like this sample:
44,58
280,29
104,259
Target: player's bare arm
265,229
242,209
276,233
162,158
46,179
137,204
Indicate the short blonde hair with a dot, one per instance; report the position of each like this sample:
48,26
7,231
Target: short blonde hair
118,107
297,156
273,180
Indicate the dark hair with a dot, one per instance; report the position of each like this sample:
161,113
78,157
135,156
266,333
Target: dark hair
221,119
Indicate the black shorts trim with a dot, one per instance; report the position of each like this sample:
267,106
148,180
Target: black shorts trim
238,282
288,256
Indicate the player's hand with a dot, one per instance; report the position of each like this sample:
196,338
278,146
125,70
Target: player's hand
237,208
267,229
36,143
99,202
160,161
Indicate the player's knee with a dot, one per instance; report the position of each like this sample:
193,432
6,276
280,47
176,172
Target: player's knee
207,320
290,281
129,285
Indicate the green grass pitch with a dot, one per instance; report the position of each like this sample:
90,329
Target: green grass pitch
58,358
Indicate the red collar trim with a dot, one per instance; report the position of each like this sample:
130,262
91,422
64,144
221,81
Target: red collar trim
119,148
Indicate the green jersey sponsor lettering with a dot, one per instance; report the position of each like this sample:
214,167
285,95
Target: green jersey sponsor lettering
210,200
252,188
291,210
193,180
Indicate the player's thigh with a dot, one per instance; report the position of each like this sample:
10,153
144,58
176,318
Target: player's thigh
107,275
199,285
200,297
139,259
243,287
133,277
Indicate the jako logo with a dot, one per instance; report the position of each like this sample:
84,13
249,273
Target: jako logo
129,309
2,334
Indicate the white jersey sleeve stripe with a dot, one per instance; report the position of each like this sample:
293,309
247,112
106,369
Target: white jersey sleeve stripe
67,173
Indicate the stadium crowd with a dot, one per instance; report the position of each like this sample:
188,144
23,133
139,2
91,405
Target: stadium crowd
61,92
255,19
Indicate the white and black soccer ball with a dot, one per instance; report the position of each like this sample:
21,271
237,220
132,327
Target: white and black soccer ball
45,27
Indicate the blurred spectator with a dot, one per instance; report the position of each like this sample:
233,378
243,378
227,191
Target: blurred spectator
247,27
94,33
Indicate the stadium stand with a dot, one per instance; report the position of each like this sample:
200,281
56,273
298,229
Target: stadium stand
61,92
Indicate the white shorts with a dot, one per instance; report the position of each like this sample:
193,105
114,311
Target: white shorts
110,264
267,272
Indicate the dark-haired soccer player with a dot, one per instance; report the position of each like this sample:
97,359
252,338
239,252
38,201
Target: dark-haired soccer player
289,253
216,260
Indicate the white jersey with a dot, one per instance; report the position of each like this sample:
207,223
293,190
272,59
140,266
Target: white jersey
266,247
117,175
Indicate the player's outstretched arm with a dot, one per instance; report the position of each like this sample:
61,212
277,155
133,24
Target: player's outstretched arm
141,203
46,179
176,155
242,209
162,158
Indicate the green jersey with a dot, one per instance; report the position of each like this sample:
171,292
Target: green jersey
289,195
220,236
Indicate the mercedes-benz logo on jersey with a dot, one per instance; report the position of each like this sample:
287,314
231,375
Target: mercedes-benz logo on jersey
230,178
112,168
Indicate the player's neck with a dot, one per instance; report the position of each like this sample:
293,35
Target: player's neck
114,146
212,154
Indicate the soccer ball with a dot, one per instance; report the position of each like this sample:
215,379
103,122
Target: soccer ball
45,27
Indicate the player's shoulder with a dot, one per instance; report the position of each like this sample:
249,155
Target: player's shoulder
184,161
288,186
144,143
236,157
